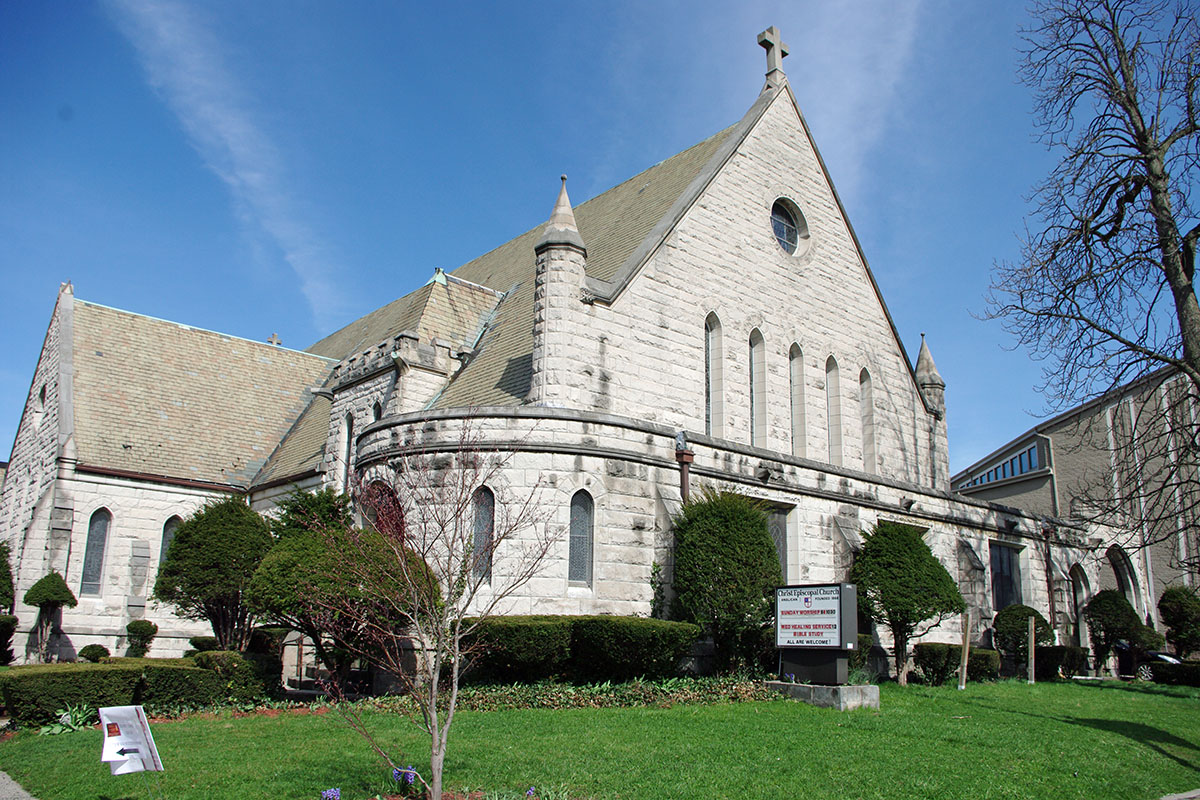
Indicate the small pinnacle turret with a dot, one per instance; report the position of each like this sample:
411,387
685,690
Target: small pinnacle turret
561,229
929,380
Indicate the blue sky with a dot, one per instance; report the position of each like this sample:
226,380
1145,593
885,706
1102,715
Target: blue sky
284,167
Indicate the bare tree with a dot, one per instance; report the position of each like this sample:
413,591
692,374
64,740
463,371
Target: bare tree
449,541
1104,289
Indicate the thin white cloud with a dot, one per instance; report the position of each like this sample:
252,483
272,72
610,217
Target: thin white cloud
186,64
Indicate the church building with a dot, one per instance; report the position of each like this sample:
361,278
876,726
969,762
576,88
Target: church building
711,321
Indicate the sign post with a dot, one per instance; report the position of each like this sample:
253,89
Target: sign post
128,743
816,628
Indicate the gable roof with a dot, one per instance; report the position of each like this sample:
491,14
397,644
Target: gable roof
161,399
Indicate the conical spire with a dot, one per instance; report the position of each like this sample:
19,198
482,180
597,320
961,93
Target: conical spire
927,371
561,228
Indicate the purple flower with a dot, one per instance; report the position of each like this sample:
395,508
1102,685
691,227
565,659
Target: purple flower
410,774
530,792
331,794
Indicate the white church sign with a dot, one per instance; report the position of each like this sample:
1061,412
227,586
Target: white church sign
128,743
813,616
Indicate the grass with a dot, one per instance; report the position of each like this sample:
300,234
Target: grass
1005,740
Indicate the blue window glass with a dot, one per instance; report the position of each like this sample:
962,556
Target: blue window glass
485,522
93,556
579,560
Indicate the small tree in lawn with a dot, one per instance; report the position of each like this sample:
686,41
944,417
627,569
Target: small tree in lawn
726,571
449,544
209,566
1110,619
1179,608
903,586
49,594
304,560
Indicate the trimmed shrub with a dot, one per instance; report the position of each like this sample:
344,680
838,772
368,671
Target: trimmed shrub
268,640
1179,607
93,653
983,665
1187,674
34,694
50,592
141,633
1054,661
621,648
936,662
726,571
1110,618
202,644
521,649
8,626
1010,629
8,592
243,678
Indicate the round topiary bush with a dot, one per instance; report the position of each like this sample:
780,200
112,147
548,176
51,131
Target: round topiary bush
1010,630
51,592
726,571
93,653
141,633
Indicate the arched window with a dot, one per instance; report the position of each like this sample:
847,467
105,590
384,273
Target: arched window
168,536
714,384
1079,598
485,526
348,453
866,401
758,389
833,411
379,507
579,562
796,375
93,555
1122,569
376,412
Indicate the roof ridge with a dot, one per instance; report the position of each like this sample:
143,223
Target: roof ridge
186,327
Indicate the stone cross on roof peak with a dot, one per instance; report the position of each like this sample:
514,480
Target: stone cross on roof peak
772,42
274,339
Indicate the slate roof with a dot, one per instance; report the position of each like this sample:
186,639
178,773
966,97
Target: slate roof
159,398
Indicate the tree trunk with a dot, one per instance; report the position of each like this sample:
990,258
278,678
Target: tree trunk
902,660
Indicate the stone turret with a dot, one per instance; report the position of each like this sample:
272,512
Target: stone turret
929,381
557,308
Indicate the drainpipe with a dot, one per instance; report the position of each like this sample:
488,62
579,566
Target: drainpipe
685,457
1048,532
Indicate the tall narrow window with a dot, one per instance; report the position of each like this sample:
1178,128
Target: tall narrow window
348,453
485,526
758,390
376,412
93,555
866,399
796,375
169,528
833,411
579,563
1006,575
714,387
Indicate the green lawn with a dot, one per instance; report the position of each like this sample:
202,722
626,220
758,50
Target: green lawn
1004,740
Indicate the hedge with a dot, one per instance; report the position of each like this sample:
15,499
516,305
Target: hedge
1186,674
1068,660
578,649
860,658
938,662
35,694
243,677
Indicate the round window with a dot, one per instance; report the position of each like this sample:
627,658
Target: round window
789,226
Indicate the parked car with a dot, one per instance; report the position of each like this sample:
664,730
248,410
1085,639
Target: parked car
1145,669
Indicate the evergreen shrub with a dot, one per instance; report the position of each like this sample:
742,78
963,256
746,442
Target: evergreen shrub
141,633
8,626
50,592
1186,674
1010,629
621,648
34,694
938,662
7,587
1110,619
94,653
243,678
726,571
1053,659
1179,608
861,657
202,644
521,648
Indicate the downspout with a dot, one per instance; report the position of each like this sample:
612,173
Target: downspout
1048,531
685,457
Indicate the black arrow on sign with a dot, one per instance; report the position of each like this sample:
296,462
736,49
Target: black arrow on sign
127,750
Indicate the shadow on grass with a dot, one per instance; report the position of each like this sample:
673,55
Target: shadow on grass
1146,735
1155,689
